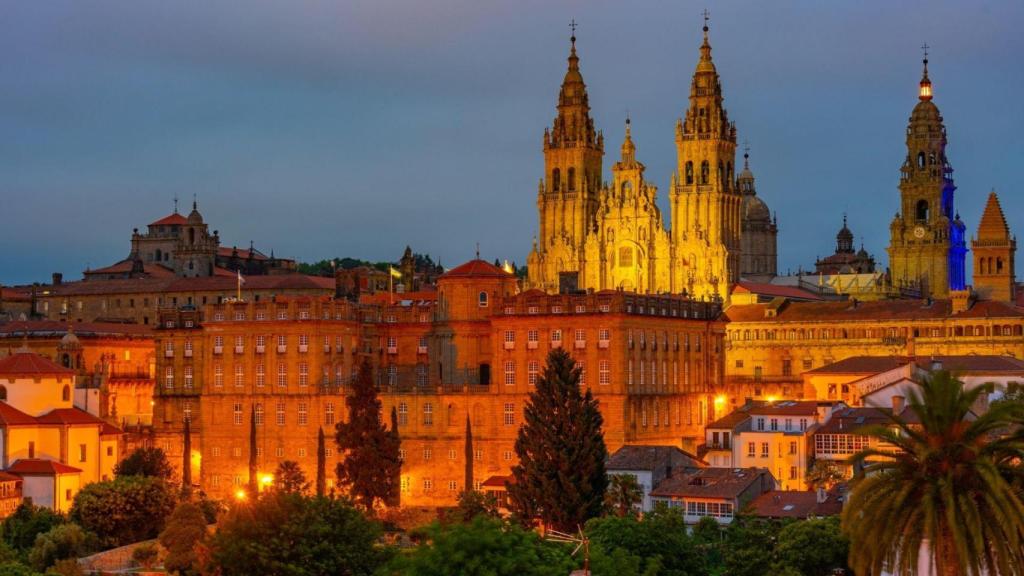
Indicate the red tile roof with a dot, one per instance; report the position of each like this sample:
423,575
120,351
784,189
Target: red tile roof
848,420
477,269
879,364
37,467
15,295
126,266
727,483
69,417
228,252
5,477
745,287
29,364
862,365
845,310
787,408
171,220
640,457
796,504
11,416
110,430
204,284
498,481
56,328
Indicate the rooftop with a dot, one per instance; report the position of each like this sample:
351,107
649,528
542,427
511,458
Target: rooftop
23,363
796,504
37,467
710,483
649,458
476,269
846,310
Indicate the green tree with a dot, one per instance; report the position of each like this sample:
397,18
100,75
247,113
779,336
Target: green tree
659,540
823,474
815,546
484,547
624,494
65,567
289,478
186,528
953,480
21,528
62,542
749,546
12,568
124,510
473,503
294,535
145,461
560,477
371,464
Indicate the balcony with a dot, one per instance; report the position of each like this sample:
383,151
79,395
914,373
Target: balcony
556,343
303,348
282,348
218,349
602,344
531,345
188,352
168,353
580,344
392,349
327,348
239,349
510,345
260,349
339,348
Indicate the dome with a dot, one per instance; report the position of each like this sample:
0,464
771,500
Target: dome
195,217
754,209
926,110
70,341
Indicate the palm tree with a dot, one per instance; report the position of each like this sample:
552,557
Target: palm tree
954,481
624,494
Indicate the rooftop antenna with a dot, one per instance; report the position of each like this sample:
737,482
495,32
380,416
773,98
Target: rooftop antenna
581,541
175,203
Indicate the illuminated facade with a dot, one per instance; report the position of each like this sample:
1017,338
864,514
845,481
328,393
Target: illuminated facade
594,236
994,251
927,250
652,362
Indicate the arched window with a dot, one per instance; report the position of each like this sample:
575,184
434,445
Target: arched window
556,180
689,172
999,265
627,187
920,159
65,394
572,179
704,169
66,360
482,299
922,210
721,171
728,171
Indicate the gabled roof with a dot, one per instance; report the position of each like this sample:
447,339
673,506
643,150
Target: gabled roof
848,420
796,504
69,417
787,408
476,269
774,290
171,220
110,430
127,265
11,416
726,483
649,458
5,477
862,365
30,364
37,467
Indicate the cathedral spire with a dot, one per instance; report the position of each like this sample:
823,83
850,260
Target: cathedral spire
925,92
573,125
628,148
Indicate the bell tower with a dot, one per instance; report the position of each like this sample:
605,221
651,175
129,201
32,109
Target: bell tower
927,249
704,201
994,251
567,196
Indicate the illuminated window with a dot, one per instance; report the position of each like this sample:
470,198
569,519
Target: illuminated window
604,373
260,375
259,414
509,414
533,368
510,373
280,413
329,414
428,414
303,374
303,414
239,375
403,414
282,375
237,413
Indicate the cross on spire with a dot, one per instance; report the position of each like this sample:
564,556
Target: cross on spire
175,203
925,48
707,16
572,27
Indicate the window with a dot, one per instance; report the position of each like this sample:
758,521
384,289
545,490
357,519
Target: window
259,414
282,375
556,337
237,414
303,374
509,414
428,414
764,450
427,453
168,377
216,451
760,424
453,486
302,452
239,375
451,454
556,180
787,367
571,181
808,363
188,377
532,338
303,413
774,422
751,449
478,455
792,447
792,472
482,299
260,375
604,373
510,373
506,455
187,410
280,413
329,414
403,414
428,484
532,369
279,452
421,374
82,453
510,338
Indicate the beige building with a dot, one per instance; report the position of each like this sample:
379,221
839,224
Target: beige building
598,237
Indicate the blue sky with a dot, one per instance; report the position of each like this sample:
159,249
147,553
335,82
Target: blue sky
320,129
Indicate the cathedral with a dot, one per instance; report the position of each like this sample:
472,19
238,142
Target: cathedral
598,236
927,251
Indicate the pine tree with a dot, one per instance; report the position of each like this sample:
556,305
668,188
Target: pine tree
321,463
560,478
371,465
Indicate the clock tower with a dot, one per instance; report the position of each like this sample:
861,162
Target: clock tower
927,249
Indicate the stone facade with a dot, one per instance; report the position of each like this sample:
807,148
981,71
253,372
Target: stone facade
994,253
759,229
597,237
846,260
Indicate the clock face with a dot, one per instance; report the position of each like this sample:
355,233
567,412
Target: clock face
919,232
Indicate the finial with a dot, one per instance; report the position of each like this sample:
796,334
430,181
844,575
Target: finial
844,219
926,84
746,155
477,250
707,16
175,203
572,27
193,201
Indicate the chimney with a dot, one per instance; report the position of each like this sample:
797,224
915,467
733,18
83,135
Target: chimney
897,405
57,278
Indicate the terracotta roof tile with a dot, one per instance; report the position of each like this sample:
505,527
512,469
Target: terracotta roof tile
774,290
477,269
845,310
69,416
37,467
848,420
11,416
787,408
711,483
796,504
52,328
171,220
650,458
30,364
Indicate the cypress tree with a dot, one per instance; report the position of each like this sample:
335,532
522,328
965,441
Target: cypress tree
560,477
254,486
186,460
468,484
321,463
371,465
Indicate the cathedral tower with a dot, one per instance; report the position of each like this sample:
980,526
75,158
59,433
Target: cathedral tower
759,231
994,251
568,194
927,249
705,206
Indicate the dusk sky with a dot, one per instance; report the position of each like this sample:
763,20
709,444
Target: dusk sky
353,128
